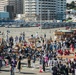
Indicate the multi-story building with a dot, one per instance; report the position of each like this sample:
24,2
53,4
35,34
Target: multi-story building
61,9
10,10
18,6
6,5
36,9
3,3
75,3
44,9
12,3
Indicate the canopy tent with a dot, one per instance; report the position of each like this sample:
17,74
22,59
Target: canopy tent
65,31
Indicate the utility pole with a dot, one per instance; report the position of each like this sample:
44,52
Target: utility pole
41,16
48,16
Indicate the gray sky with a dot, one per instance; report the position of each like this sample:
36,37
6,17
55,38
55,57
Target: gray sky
70,1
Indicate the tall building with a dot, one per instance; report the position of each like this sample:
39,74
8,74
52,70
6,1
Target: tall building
75,3
18,6
44,9
10,10
61,9
3,3
12,3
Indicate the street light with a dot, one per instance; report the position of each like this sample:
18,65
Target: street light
48,15
40,15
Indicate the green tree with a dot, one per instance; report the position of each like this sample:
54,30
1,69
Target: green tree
71,5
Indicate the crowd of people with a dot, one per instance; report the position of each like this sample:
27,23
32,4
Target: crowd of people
46,56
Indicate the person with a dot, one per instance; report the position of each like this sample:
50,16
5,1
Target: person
36,34
44,35
34,60
50,64
72,47
0,63
23,36
40,59
43,64
46,60
12,67
19,66
15,64
29,61
20,38
11,41
51,47
54,69
72,68
66,70
16,39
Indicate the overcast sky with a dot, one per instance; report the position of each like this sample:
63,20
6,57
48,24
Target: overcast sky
70,1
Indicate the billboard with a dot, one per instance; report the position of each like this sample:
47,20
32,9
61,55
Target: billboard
4,15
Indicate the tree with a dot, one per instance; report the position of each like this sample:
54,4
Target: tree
68,5
69,18
71,5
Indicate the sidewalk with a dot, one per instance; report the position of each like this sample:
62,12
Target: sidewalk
25,70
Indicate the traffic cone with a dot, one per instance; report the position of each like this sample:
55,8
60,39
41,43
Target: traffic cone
41,70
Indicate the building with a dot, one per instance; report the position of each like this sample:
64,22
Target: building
38,9
61,9
7,5
75,3
44,9
4,15
18,6
3,3
12,3
10,10
14,7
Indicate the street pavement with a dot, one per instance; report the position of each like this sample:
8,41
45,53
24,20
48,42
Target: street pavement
25,70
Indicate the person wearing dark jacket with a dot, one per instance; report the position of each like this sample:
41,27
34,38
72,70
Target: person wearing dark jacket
55,72
43,64
29,61
19,65
66,71
72,68
0,64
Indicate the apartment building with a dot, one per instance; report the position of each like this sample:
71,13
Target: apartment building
75,3
18,6
36,9
44,9
3,3
61,9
